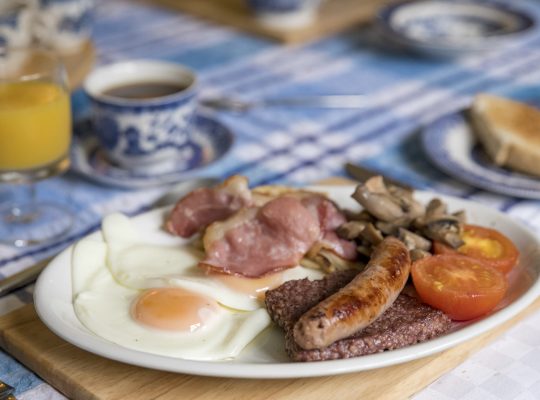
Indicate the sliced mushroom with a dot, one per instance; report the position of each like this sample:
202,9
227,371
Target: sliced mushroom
330,262
387,228
364,250
351,230
418,254
412,208
435,207
371,234
376,199
461,216
413,241
446,229
363,215
388,204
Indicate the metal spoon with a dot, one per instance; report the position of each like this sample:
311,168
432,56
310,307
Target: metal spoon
331,101
29,275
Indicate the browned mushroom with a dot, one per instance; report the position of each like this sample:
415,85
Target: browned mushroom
376,199
461,216
445,229
351,230
413,241
363,215
364,250
409,205
371,235
387,228
388,204
418,254
435,207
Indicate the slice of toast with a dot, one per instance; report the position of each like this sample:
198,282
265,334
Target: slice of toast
509,131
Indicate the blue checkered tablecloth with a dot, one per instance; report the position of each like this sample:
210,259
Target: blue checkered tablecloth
300,146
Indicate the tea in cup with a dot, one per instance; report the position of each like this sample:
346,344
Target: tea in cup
142,111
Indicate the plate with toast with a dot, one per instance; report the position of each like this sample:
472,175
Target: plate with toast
493,145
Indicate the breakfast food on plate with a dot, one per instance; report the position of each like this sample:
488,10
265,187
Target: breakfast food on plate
391,228
486,244
393,211
360,302
234,259
406,322
463,287
509,131
271,231
203,206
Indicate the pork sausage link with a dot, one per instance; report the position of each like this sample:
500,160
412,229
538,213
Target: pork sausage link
359,303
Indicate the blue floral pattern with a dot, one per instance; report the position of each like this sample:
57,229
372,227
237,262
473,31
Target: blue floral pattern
107,131
141,132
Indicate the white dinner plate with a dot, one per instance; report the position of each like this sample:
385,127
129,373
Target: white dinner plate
265,356
451,145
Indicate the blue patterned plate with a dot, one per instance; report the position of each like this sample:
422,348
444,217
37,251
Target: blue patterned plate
450,144
453,28
211,141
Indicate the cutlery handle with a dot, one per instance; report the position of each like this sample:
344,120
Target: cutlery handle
333,101
363,174
22,278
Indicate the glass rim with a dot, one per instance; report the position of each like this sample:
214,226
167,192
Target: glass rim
39,71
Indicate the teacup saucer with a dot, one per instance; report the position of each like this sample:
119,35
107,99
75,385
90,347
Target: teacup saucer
211,141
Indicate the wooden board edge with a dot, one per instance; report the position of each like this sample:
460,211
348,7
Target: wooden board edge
14,318
331,20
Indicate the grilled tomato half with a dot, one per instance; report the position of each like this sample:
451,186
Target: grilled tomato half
461,286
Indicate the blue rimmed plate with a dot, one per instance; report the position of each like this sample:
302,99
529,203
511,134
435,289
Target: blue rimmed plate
451,145
211,141
453,28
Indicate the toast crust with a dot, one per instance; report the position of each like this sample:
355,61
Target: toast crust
509,131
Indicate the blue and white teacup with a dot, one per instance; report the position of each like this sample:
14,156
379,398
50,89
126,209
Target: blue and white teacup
16,21
137,132
64,25
285,14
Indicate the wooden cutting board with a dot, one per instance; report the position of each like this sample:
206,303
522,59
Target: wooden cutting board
82,375
334,16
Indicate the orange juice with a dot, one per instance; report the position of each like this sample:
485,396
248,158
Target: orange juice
35,124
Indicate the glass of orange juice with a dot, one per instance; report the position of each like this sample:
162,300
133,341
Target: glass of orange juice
35,135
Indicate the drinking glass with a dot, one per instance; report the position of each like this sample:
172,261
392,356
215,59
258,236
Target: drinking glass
35,135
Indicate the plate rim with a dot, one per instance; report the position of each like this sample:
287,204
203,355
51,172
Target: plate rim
52,320
80,165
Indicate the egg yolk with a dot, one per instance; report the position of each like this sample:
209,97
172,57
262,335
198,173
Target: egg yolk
173,309
253,287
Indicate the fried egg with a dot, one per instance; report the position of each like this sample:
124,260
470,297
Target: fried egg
155,299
